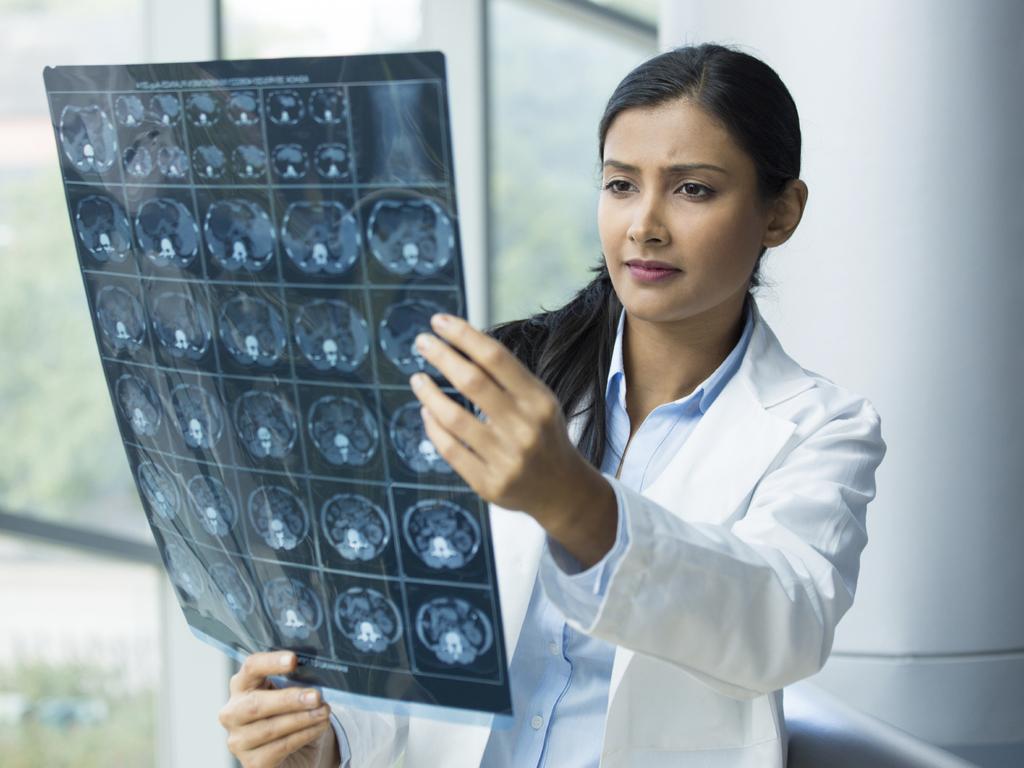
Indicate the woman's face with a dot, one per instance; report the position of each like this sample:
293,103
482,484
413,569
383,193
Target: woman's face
705,223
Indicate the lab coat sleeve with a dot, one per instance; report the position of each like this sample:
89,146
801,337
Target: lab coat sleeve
579,591
369,739
753,607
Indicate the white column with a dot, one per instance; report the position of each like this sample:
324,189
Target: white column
903,283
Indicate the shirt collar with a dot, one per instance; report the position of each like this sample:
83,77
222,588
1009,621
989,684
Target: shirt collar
615,385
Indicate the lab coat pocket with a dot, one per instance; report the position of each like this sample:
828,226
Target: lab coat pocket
660,706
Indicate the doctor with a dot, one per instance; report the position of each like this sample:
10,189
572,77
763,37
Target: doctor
689,502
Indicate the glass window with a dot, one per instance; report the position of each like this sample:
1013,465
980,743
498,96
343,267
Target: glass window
79,659
268,28
60,454
551,79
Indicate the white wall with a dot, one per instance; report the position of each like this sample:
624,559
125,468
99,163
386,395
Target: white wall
904,283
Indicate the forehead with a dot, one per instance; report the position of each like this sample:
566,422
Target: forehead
675,132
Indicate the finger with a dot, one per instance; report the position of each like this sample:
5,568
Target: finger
465,375
459,457
256,705
273,753
257,666
453,417
255,735
490,354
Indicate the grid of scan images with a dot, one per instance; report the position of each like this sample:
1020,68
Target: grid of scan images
260,243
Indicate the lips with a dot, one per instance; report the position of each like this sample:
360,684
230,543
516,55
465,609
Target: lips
652,265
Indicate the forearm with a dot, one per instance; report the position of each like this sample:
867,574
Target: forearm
583,519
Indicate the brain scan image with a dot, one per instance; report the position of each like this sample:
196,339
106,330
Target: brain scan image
294,607
167,232
320,237
332,335
159,488
402,322
213,504
285,107
239,235
103,228
139,404
209,162
199,416
278,516
413,446
252,331
266,424
233,589
129,110
88,138
172,161
442,534
343,430
243,108
290,161
356,527
331,161
203,109
165,108
454,630
121,319
181,327
410,236
138,161
185,570
327,105
368,619
249,161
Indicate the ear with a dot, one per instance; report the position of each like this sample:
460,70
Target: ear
784,213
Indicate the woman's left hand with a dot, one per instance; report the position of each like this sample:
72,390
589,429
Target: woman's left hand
520,457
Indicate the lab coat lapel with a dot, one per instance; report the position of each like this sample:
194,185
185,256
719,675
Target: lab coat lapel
731,446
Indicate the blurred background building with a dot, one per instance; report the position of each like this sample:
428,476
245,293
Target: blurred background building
910,252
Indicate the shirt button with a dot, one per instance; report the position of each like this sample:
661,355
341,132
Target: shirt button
536,722
553,647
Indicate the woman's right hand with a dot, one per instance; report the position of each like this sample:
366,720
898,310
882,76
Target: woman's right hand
271,727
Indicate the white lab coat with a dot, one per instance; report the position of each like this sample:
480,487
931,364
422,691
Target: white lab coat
743,555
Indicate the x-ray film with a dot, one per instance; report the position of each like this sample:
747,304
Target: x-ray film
260,243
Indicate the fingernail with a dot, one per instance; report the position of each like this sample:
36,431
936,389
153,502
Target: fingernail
424,340
286,659
441,320
416,380
310,697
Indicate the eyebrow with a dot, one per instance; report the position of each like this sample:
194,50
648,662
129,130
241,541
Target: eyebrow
668,169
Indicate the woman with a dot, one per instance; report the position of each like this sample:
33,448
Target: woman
694,499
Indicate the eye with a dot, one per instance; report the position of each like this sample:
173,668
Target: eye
614,189
689,186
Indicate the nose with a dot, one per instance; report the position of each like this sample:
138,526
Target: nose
648,224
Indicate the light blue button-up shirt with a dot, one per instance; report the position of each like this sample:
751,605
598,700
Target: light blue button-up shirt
559,678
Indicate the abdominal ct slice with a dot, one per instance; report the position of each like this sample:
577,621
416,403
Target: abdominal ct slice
398,330
412,444
368,619
332,335
252,331
441,534
233,588
239,235
167,232
213,504
320,238
266,424
411,236
343,430
88,138
357,528
121,319
454,630
293,606
278,516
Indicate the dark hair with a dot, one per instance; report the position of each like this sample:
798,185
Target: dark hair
570,348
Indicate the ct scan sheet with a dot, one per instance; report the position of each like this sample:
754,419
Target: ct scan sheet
260,243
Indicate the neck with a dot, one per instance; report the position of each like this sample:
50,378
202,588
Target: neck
664,361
